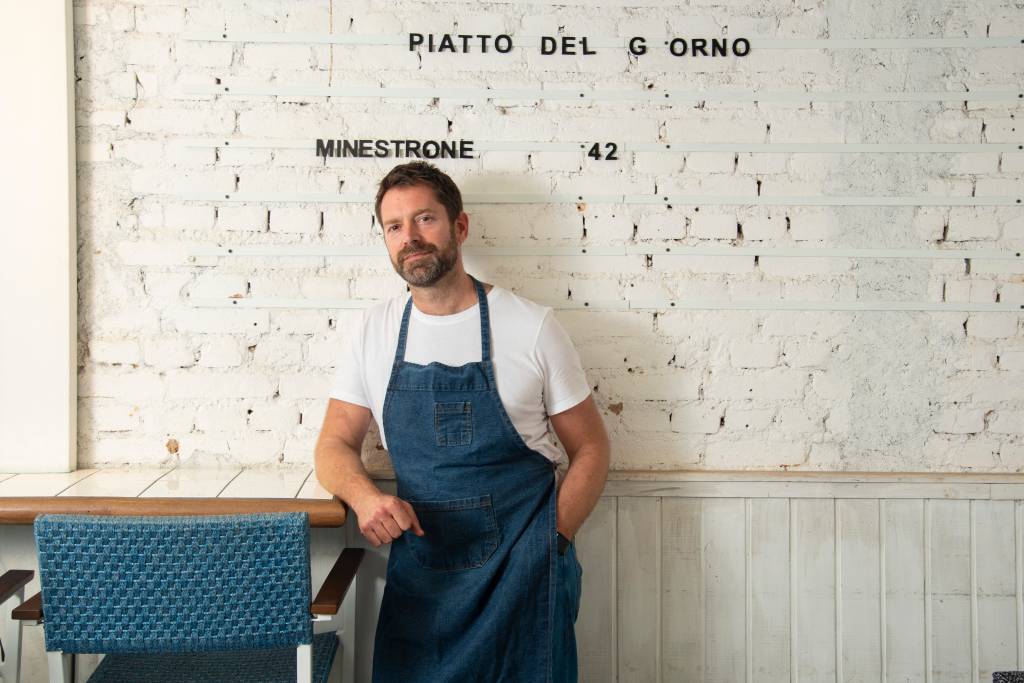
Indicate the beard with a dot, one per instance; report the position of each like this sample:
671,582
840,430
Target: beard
426,270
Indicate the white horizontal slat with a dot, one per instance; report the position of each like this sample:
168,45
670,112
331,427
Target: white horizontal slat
704,200
191,483
651,249
1003,491
41,484
668,250
366,303
802,489
116,482
668,200
231,89
659,305
266,483
599,41
680,147
639,305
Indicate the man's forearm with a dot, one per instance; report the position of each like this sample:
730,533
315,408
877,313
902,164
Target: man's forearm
340,470
581,488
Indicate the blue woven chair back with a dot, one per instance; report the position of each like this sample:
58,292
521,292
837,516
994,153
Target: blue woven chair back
174,584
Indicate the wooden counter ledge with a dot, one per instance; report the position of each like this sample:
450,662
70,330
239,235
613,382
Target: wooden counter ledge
24,510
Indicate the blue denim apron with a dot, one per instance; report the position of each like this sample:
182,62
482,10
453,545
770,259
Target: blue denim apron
476,597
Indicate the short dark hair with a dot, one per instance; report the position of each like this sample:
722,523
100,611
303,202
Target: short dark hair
422,173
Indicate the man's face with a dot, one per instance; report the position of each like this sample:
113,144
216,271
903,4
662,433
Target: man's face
422,242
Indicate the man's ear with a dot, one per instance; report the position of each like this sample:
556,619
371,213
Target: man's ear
462,227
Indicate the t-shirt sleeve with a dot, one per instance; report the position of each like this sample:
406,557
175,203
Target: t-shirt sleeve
565,383
349,376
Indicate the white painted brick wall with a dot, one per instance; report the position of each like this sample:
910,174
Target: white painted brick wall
735,389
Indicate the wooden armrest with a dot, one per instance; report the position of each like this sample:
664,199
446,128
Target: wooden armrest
332,592
30,610
13,581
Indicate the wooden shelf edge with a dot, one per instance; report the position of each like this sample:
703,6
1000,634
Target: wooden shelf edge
24,510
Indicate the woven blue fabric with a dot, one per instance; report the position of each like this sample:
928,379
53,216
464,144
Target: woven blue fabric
257,666
174,584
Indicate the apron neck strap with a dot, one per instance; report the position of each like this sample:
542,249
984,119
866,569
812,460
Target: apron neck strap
485,325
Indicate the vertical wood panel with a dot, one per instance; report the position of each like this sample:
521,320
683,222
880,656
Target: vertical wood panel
903,528
951,587
763,589
1019,577
595,627
725,587
769,615
929,656
859,552
815,567
682,595
997,587
638,597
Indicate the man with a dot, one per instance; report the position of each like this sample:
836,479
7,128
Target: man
464,380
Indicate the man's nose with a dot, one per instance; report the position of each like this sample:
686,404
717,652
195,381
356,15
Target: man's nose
410,233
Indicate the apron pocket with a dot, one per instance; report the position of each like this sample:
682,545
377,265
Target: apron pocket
459,534
453,423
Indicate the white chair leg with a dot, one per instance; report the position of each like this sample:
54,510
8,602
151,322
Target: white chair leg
304,664
10,668
59,665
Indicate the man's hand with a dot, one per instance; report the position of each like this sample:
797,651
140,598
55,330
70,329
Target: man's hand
383,518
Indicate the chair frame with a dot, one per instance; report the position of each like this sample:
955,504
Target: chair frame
326,604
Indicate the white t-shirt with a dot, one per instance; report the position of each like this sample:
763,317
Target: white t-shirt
536,366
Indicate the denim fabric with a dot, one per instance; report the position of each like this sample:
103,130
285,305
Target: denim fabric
567,608
476,598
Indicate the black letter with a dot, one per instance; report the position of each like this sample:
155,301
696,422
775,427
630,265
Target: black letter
736,47
507,40
412,147
324,150
698,46
586,51
448,149
465,149
446,44
350,148
382,148
465,41
676,42
568,45
364,148
547,45
414,40
718,47
638,45
430,149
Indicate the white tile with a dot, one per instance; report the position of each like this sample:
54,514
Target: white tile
191,483
313,490
42,484
267,483
116,482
